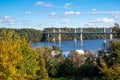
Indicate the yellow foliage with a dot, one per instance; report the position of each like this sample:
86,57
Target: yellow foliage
110,73
18,61
10,54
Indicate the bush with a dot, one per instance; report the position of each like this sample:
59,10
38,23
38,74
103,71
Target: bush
88,70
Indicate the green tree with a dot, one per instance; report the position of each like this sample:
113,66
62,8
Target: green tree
53,56
31,35
116,28
109,62
67,68
52,66
29,63
88,70
42,73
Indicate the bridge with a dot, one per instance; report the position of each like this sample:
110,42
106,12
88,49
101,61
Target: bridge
81,32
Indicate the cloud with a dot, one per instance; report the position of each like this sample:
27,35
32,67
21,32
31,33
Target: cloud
100,20
89,24
41,3
25,22
94,9
7,21
117,16
71,13
66,21
103,20
67,5
53,14
6,17
28,12
101,12
48,5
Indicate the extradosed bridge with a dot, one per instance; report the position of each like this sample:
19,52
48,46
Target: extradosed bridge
81,32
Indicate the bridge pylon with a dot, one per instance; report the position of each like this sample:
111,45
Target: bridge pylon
54,35
59,36
48,38
75,40
81,38
104,32
111,35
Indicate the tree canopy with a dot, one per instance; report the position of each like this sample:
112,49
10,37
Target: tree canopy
18,61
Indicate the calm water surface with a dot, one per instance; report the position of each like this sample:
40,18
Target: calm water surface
68,45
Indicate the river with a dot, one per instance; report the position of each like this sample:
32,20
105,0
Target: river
68,45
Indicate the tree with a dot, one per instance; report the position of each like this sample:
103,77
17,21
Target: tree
42,73
53,56
88,70
110,72
109,62
116,28
31,35
90,56
18,61
76,57
67,68
29,63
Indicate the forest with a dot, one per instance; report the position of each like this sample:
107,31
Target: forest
18,61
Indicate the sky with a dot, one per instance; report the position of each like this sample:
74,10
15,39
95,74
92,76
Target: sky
40,14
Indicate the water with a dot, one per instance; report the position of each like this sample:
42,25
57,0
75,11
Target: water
68,45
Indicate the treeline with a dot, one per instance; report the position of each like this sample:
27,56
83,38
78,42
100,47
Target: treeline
33,35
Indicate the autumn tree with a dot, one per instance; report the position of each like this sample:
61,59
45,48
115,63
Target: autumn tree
10,55
18,61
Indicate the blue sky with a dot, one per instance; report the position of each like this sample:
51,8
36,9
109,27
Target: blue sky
41,14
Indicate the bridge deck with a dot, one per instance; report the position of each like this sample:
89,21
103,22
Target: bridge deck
80,33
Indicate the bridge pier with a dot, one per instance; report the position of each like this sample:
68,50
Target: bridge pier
59,36
54,35
48,38
81,38
104,31
75,40
111,35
